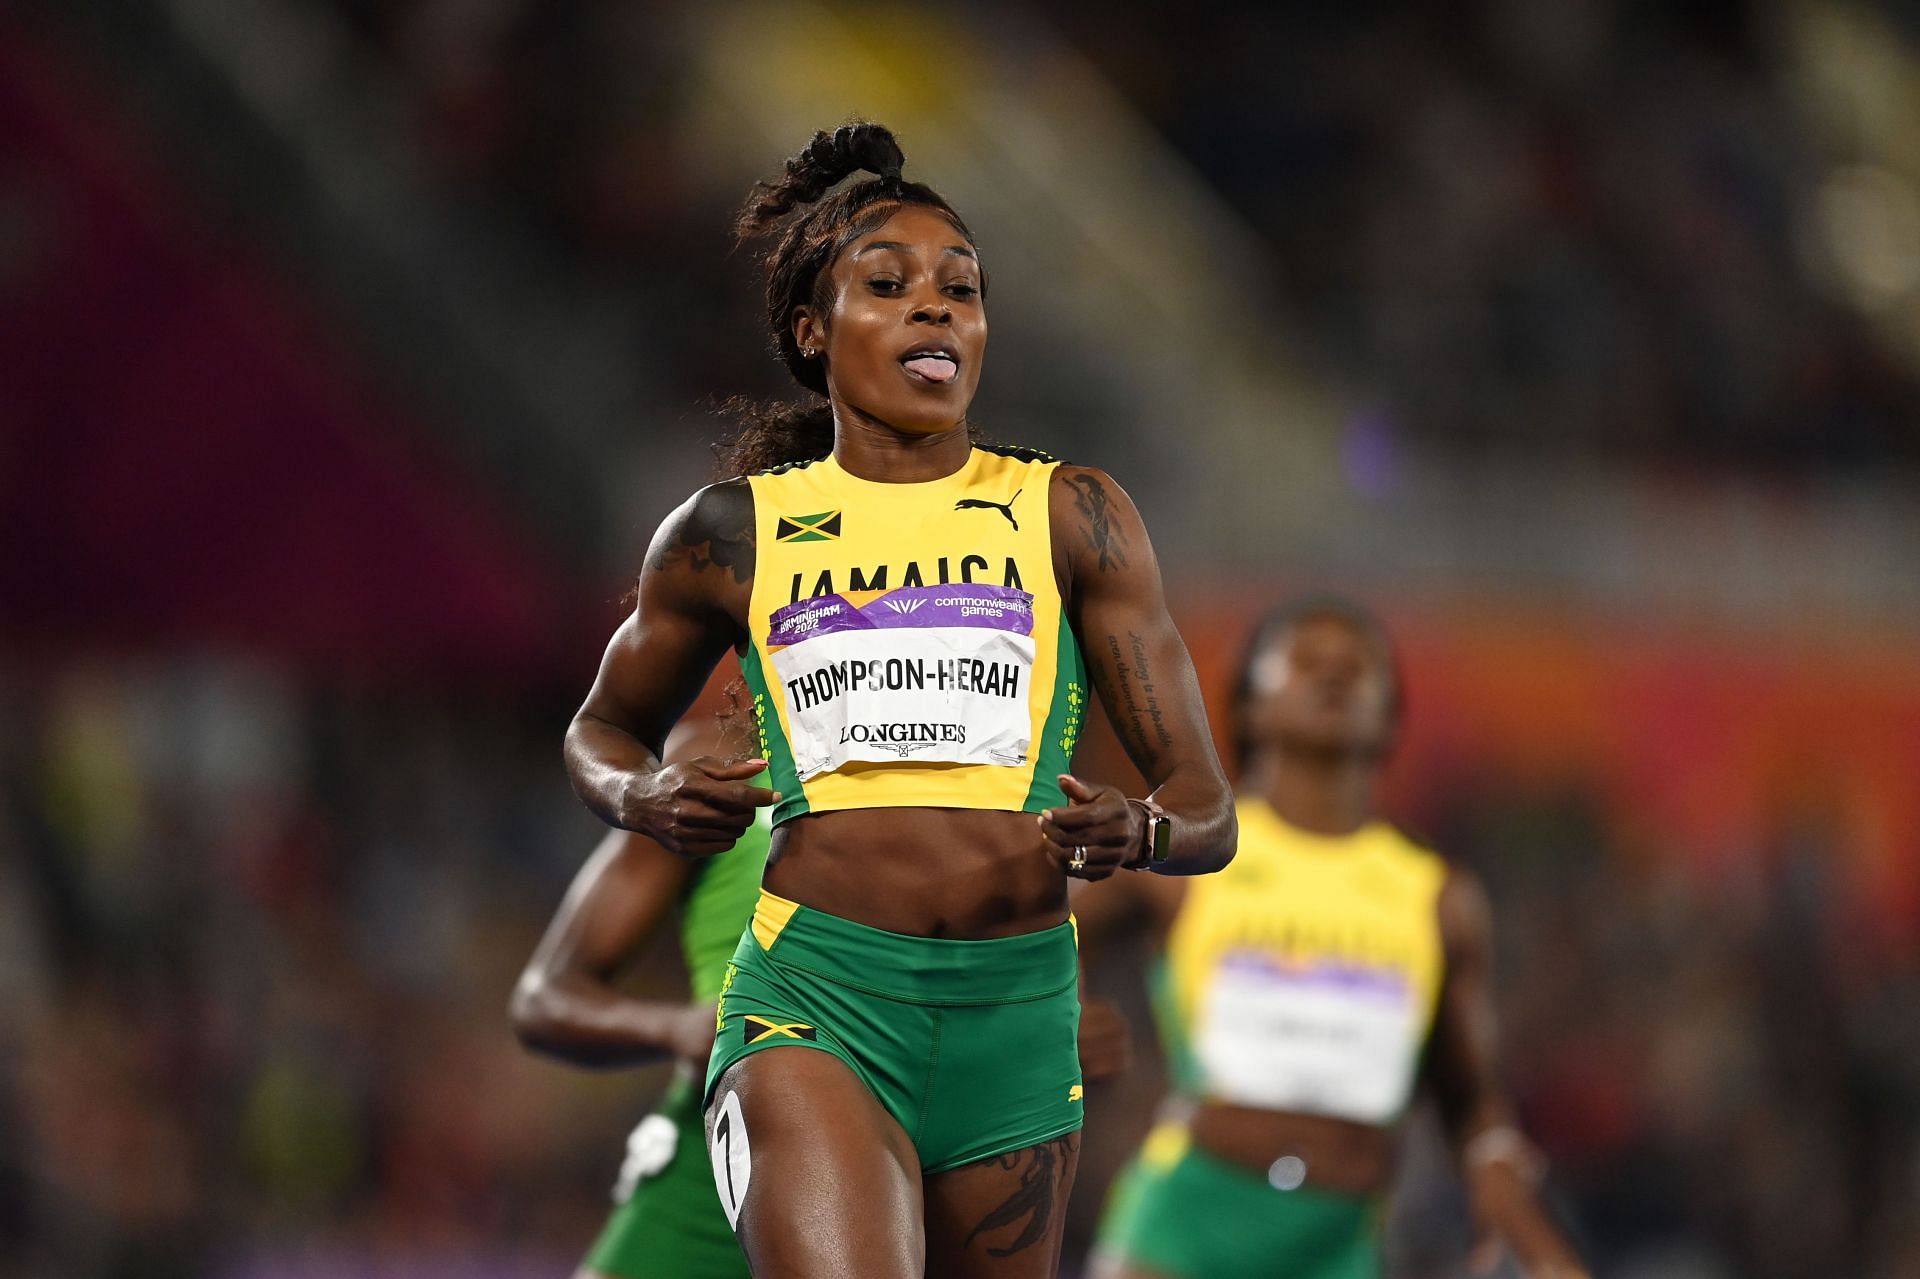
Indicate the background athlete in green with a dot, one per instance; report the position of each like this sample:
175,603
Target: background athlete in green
668,1222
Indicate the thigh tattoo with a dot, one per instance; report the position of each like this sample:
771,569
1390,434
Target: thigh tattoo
1033,1200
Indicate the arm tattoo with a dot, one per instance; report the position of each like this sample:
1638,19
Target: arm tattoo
1109,542
1129,692
717,533
1034,1199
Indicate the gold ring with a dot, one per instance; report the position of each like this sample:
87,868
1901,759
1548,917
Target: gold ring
1079,859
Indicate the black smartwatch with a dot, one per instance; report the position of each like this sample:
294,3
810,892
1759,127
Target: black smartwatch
1156,840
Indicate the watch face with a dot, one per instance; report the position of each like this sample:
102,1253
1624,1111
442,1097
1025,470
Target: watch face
1161,837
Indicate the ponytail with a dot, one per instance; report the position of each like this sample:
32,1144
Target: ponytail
773,433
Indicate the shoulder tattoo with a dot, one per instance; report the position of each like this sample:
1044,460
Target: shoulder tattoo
1104,538
716,534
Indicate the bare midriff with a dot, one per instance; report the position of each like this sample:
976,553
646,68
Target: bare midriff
955,873
1339,1155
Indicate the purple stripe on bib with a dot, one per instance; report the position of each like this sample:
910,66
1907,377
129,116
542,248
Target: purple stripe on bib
1352,978
804,619
1360,982
1000,608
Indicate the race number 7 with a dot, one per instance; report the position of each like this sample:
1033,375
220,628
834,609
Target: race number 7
732,1157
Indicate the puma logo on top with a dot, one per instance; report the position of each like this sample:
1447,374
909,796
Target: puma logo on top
976,503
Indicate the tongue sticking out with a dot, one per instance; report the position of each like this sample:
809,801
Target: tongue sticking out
934,368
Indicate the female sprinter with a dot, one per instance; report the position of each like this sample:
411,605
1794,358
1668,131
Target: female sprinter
667,1222
1334,967
893,1089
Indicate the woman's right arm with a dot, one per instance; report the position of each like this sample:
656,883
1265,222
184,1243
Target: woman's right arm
692,607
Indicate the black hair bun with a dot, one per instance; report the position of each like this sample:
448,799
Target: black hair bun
849,149
872,147
823,164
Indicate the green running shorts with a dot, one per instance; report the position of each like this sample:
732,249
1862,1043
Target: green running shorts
970,1045
1186,1214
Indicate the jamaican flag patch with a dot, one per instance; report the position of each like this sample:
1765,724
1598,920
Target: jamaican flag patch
759,1028
824,527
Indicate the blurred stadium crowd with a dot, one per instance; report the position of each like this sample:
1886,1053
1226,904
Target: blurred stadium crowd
1569,223
292,911
267,868
1572,223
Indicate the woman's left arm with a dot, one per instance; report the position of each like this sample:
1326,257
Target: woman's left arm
1145,679
1500,1166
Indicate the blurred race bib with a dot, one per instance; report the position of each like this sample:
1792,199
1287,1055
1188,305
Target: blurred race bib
650,1148
1315,1038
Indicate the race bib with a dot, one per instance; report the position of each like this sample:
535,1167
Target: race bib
934,674
1322,1040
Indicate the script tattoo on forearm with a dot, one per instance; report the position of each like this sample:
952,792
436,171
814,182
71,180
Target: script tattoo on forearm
1108,541
1128,687
719,535
1034,1199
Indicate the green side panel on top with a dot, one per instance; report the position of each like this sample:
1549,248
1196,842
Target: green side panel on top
718,902
1054,753
774,747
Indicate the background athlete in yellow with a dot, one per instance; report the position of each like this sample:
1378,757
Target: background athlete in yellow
916,916
1308,992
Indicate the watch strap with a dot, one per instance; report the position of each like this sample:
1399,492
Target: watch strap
1155,836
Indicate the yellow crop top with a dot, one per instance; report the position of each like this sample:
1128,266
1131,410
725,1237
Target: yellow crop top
1305,975
907,643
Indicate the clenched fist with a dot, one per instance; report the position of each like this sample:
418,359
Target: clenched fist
698,808
1096,833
